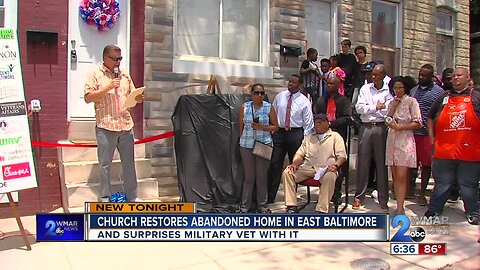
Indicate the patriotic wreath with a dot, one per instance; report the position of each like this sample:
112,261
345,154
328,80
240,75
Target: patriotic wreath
100,13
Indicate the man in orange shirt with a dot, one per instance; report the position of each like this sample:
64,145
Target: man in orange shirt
454,126
108,88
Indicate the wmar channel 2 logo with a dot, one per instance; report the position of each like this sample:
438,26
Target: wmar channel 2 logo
416,234
60,227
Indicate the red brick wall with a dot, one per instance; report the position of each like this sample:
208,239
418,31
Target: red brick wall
48,82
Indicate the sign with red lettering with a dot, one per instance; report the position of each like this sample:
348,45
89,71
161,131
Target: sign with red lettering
15,171
16,156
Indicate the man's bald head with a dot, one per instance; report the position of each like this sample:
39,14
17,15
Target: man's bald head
333,84
460,79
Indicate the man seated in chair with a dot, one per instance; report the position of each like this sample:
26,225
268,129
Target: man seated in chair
323,150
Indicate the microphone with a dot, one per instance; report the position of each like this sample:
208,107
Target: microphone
115,72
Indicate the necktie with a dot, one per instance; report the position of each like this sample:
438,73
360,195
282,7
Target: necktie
288,114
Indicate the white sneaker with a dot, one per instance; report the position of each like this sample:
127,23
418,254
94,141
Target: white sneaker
138,200
375,194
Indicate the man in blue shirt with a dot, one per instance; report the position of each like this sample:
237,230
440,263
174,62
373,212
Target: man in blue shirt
426,92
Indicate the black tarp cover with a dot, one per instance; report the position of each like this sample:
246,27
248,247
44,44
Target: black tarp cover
209,166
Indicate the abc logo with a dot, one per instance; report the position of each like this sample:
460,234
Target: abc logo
59,231
417,234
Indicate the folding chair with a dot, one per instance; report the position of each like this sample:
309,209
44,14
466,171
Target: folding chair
314,183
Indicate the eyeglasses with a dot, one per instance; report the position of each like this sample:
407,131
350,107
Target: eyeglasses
258,93
116,59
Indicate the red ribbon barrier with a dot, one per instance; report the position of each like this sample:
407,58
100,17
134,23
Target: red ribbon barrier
144,140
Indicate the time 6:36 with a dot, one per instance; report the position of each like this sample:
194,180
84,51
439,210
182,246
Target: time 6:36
404,249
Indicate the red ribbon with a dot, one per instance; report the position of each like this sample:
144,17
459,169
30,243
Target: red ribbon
144,140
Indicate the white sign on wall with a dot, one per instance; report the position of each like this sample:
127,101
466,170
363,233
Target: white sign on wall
16,157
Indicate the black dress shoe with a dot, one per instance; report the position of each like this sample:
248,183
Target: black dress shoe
291,210
430,213
473,219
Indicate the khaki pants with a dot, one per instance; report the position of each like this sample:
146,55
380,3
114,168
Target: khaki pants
302,173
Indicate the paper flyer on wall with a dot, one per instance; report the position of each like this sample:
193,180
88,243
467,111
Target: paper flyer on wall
16,157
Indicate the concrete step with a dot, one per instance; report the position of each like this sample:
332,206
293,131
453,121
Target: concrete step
82,172
172,198
81,130
81,209
167,181
162,161
164,171
69,154
75,195
168,191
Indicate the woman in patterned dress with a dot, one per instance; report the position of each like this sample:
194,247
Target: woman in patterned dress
402,118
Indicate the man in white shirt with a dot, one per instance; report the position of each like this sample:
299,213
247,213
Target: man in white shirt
295,119
372,106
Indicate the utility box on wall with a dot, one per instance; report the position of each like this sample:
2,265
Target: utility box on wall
42,48
289,56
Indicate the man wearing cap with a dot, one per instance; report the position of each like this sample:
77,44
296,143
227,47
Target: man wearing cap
372,106
338,109
319,156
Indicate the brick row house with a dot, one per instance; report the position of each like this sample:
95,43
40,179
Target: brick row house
173,46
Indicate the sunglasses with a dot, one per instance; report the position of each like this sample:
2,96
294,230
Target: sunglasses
258,93
116,59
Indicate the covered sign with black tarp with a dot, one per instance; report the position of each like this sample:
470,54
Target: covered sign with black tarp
209,165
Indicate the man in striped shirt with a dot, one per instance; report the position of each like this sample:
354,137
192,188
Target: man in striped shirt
108,88
425,92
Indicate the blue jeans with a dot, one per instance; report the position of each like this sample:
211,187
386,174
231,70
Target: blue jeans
448,171
107,142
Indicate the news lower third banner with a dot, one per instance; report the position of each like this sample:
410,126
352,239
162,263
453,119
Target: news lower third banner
178,222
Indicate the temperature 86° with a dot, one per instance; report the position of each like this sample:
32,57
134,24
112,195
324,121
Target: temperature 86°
433,249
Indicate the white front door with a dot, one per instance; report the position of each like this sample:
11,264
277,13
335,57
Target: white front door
319,19
88,44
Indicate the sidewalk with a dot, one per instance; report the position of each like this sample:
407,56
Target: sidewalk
463,251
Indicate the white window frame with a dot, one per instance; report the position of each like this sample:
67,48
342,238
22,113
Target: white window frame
399,32
11,7
227,67
398,36
442,31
